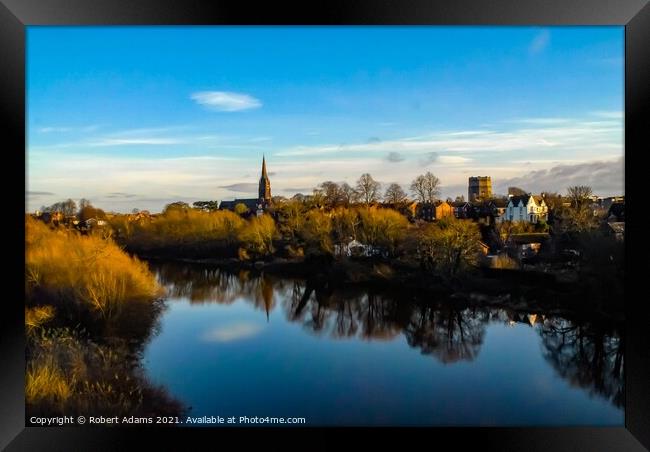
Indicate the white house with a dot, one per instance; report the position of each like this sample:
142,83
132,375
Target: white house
528,208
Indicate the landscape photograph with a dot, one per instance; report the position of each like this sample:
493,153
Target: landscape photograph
324,226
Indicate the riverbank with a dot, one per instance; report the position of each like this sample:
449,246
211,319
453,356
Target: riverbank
89,309
514,289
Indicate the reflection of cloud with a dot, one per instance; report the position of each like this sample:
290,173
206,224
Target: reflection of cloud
395,157
241,187
231,333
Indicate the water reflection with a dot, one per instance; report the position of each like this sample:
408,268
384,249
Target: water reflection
585,352
447,333
589,355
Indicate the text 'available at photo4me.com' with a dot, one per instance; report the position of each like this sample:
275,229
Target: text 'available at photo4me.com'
162,420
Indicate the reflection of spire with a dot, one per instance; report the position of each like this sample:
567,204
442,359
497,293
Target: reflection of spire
267,296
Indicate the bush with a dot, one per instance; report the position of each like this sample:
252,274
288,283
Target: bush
36,317
450,246
504,262
87,281
384,228
87,276
177,227
258,234
316,232
69,375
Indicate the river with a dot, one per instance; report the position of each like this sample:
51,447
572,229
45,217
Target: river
259,345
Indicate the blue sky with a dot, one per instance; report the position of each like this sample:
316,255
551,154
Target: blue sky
143,116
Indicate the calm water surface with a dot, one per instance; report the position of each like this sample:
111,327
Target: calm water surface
245,345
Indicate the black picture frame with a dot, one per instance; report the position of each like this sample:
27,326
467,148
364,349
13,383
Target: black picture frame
15,15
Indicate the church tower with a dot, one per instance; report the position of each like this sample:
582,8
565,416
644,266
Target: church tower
265,184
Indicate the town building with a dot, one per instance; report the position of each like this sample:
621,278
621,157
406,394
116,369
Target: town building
434,211
463,209
490,211
479,187
443,209
254,205
529,208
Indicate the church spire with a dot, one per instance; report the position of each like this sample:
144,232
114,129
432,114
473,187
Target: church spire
265,183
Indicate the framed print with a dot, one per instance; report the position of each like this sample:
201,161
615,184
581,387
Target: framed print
367,217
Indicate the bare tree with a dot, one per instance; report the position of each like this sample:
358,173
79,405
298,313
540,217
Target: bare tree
368,189
69,207
348,194
426,187
331,193
579,194
83,202
394,194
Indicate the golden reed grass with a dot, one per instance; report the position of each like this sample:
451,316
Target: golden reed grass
89,271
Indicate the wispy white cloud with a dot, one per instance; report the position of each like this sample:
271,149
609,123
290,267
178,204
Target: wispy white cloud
121,195
61,129
133,141
241,187
610,61
503,152
609,114
169,135
395,157
536,135
53,129
429,158
226,101
260,139
453,159
540,42
604,176
543,121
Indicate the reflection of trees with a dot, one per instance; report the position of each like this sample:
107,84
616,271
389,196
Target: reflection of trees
587,355
341,314
448,334
202,284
